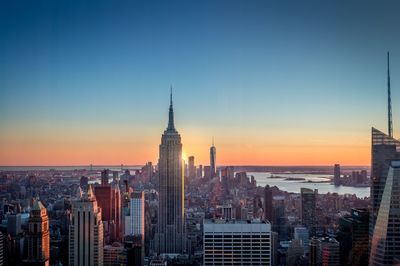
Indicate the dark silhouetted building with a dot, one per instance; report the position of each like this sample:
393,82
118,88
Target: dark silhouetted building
308,208
353,238
336,175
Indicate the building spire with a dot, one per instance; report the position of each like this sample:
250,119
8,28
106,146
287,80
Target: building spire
213,141
171,126
390,123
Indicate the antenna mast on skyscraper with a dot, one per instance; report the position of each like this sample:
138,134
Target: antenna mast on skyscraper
390,123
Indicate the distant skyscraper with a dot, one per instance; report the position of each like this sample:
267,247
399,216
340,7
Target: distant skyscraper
104,176
170,234
385,244
268,210
279,218
192,167
242,242
86,231
336,175
384,150
38,236
308,206
213,158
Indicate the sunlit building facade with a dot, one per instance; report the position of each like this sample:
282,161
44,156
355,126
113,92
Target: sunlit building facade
38,236
86,231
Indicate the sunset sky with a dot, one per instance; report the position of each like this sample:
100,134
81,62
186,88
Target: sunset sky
275,82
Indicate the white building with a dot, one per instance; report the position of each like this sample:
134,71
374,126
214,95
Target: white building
134,222
86,231
237,242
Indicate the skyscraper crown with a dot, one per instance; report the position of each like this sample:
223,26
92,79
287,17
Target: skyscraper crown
171,125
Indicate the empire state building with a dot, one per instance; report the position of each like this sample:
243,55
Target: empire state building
170,234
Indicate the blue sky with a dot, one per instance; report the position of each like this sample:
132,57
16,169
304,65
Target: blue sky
247,69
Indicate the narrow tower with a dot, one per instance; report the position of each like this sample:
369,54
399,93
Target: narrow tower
213,155
170,231
390,123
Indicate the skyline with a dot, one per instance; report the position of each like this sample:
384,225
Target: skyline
276,85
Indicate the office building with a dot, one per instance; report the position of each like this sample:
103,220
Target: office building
134,222
385,149
302,234
192,167
14,224
104,177
268,209
86,231
328,252
38,236
213,158
308,207
353,238
115,255
241,241
134,249
225,211
324,251
170,229
336,175
385,244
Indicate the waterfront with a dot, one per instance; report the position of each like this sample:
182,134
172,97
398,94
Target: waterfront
265,178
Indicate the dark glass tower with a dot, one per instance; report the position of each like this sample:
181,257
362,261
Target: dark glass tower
169,237
308,205
385,149
386,236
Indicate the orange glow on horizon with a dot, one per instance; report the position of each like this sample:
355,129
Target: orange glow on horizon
113,148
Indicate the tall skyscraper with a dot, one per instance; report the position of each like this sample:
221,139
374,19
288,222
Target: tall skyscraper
170,234
385,149
86,231
213,158
240,241
38,236
385,244
353,238
336,175
308,206
268,210
192,167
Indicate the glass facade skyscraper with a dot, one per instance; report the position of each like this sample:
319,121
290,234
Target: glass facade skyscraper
385,244
385,149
